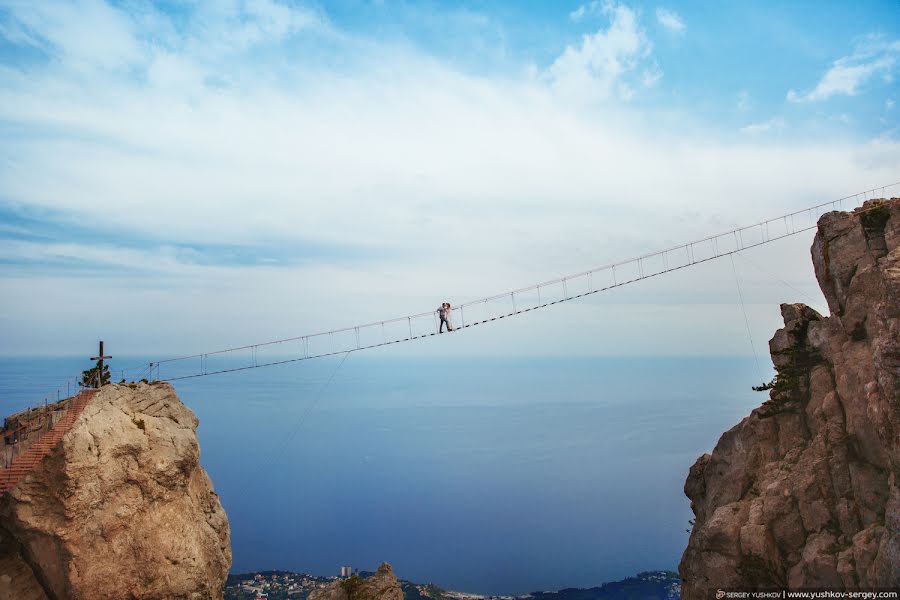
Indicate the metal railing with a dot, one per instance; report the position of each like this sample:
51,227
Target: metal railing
24,446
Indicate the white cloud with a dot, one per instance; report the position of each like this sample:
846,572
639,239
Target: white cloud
773,124
450,183
91,34
84,33
848,74
651,76
591,8
231,27
599,66
670,20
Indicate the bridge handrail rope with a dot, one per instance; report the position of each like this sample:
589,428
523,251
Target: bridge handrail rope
73,385
44,414
70,385
19,457
642,267
22,446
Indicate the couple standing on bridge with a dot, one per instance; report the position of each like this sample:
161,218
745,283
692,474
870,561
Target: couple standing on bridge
444,313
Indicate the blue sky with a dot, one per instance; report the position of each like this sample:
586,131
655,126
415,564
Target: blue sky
219,173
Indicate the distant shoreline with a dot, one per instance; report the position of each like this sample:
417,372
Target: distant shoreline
278,585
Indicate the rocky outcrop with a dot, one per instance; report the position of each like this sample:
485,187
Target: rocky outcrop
805,492
119,509
383,585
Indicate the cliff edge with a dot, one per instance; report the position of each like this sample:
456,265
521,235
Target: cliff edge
805,491
120,508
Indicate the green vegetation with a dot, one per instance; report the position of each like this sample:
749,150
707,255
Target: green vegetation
92,376
788,377
429,591
876,217
351,584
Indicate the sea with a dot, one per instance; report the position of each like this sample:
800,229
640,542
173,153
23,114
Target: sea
484,475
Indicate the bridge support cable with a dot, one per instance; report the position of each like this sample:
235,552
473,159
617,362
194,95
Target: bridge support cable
508,303
737,281
301,420
816,304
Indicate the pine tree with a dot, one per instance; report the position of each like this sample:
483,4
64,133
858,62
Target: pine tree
89,377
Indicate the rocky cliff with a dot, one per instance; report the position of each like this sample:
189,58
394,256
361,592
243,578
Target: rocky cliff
383,585
119,509
805,492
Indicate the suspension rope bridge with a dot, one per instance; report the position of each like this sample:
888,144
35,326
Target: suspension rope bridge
41,426
499,306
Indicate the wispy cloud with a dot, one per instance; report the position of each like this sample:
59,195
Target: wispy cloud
578,13
91,34
107,38
773,124
600,66
670,20
283,136
872,57
584,10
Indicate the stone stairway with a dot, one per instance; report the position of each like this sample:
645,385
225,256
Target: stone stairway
22,465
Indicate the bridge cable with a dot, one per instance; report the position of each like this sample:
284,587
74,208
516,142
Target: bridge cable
637,268
809,299
737,282
301,420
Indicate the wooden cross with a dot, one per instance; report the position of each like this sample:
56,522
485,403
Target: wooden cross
100,358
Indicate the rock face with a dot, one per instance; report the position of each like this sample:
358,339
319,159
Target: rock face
119,509
805,492
383,585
